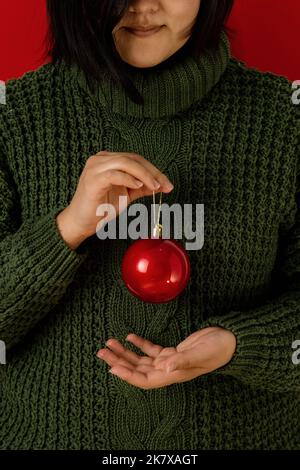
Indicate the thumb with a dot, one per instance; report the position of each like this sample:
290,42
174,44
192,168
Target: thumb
181,360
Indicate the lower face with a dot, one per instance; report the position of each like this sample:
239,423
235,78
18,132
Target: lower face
175,20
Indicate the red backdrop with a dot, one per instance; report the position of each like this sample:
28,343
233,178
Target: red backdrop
266,33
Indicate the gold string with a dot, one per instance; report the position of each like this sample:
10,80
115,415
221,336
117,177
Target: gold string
158,227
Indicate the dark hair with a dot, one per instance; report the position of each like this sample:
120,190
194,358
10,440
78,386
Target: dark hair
80,32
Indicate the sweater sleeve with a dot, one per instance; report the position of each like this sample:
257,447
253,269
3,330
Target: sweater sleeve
268,336
37,265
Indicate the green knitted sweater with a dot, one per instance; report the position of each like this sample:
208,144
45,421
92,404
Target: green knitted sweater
227,136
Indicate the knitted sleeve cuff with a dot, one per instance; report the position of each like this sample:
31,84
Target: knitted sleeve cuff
45,249
246,354
264,335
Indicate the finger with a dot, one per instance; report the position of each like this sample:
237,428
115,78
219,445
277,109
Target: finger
183,360
154,379
142,379
166,352
124,353
113,359
190,341
132,376
110,177
142,192
144,345
158,175
162,362
130,166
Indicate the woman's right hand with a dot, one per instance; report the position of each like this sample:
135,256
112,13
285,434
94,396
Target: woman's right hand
105,177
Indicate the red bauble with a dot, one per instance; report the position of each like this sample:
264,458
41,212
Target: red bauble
156,270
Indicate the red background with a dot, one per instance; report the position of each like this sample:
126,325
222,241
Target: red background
266,34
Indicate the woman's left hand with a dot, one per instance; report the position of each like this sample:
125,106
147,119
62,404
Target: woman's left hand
200,353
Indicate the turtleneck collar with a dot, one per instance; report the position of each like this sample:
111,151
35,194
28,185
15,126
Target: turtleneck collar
167,90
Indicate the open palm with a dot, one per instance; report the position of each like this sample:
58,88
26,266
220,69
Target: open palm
201,352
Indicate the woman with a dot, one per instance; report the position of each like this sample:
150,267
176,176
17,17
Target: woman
114,109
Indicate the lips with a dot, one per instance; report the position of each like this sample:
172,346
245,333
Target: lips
144,28
144,31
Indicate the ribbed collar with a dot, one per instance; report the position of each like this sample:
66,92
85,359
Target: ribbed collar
166,90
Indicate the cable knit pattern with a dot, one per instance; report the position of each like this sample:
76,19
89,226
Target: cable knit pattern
228,137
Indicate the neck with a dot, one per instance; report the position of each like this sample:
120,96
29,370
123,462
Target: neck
167,88
178,56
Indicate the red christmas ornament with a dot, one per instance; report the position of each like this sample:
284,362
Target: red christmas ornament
156,270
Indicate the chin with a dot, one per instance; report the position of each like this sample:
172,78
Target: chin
142,64
147,66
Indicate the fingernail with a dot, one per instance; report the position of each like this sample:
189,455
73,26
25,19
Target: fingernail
169,185
156,184
111,371
171,367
